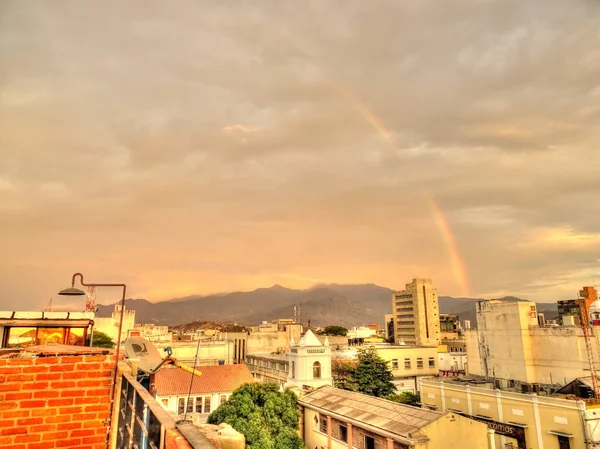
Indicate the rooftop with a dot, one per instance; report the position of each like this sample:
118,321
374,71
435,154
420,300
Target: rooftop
171,380
392,417
269,356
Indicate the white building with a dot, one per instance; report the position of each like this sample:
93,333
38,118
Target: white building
110,326
509,344
208,391
309,362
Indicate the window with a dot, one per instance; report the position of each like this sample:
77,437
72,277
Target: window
20,337
293,370
206,404
199,404
395,364
77,336
369,442
47,335
190,405
316,370
323,423
419,362
343,434
223,399
181,406
406,363
431,362
563,442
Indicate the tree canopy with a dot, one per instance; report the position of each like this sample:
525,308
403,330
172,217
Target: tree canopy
267,417
371,375
101,340
406,397
335,330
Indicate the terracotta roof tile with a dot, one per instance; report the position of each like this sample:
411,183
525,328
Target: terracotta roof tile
171,380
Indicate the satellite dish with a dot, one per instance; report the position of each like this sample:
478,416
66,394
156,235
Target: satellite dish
141,349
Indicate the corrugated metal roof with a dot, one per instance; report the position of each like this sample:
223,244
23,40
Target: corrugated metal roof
171,380
399,419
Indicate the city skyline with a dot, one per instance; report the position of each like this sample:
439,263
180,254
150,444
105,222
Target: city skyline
203,148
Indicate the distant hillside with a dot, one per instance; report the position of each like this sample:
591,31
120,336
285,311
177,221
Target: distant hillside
346,305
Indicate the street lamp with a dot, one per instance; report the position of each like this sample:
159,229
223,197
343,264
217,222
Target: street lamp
72,291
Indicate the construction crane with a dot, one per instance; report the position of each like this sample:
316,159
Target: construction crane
585,298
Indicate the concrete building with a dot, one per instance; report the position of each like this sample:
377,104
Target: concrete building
269,368
209,352
509,344
110,326
452,364
449,326
336,419
306,365
409,364
518,420
416,314
152,332
389,327
22,329
208,391
309,363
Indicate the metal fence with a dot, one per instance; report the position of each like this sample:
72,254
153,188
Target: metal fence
142,422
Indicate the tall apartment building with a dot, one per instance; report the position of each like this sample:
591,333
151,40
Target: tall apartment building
416,314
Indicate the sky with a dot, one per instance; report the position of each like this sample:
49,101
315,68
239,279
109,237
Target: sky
195,147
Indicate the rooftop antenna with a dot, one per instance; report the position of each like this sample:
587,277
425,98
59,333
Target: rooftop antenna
48,307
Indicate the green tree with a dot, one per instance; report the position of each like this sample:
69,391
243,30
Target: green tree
372,374
335,330
342,371
267,417
405,397
101,340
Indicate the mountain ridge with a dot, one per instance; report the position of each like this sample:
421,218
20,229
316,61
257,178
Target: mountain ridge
344,304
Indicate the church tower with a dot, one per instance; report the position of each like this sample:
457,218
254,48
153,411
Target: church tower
309,362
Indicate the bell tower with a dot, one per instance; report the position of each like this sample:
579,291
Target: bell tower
309,362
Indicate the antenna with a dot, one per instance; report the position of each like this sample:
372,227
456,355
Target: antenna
48,307
90,300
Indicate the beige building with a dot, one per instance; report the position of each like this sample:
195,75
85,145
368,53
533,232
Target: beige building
416,314
306,365
409,364
180,391
509,344
110,326
524,421
337,419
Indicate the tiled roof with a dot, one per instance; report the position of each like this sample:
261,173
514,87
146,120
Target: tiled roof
392,417
171,380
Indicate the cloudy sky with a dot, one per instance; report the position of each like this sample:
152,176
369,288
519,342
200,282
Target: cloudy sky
194,147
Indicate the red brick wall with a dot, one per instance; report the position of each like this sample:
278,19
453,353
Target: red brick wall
54,402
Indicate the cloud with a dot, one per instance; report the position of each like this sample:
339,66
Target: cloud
242,128
210,147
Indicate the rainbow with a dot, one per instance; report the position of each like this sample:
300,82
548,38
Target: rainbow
458,266
456,261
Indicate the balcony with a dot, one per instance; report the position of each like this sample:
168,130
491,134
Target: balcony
143,423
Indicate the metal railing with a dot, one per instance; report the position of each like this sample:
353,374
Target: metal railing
142,422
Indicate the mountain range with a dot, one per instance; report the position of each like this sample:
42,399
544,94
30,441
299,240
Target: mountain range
345,305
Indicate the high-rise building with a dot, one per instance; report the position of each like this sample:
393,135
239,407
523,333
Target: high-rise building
416,314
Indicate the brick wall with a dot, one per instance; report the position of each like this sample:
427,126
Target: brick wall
54,402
